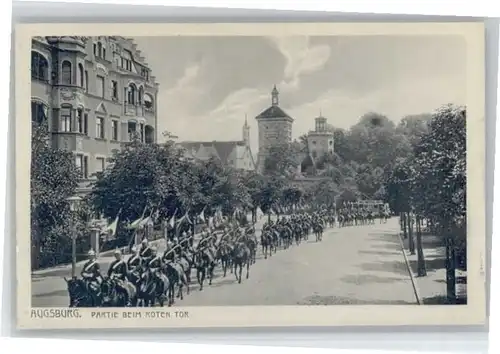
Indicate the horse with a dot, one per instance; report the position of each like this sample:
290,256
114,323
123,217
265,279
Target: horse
176,276
266,240
318,231
241,257
81,294
223,254
152,287
204,264
112,297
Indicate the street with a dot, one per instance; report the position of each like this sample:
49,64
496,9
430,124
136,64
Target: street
352,265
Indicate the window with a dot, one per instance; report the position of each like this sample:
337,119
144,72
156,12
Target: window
86,81
115,90
66,73
314,142
330,142
81,75
131,94
95,49
100,86
104,53
100,164
114,130
141,132
82,164
99,49
99,126
79,121
314,154
39,112
65,114
86,123
39,67
79,164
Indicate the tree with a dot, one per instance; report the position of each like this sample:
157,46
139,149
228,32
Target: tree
282,160
54,178
440,179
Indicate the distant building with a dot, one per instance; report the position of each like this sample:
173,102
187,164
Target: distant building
320,140
93,93
235,154
275,128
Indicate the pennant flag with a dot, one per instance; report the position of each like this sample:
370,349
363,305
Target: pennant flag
111,228
202,215
210,221
185,218
136,223
171,223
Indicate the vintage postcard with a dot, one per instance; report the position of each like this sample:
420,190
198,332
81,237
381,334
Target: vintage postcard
235,175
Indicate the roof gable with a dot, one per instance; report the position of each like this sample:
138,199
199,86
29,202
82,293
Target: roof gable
207,149
101,108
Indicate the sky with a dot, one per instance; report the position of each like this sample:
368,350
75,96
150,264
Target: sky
209,84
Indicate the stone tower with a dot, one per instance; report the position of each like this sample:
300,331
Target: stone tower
320,141
274,128
246,132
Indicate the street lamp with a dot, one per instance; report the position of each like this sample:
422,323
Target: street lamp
74,203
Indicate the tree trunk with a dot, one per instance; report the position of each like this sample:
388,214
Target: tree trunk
411,240
421,271
405,232
450,266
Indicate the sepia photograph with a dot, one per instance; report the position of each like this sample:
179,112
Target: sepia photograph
261,170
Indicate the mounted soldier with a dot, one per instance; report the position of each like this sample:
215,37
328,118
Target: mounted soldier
118,272
145,251
135,260
91,273
169,254
155,264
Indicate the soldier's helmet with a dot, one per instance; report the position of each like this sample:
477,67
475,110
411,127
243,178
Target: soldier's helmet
134,249
117,252
91,253
184,234
153,249
144,241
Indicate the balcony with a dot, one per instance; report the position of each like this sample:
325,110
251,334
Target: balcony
72,95
132,110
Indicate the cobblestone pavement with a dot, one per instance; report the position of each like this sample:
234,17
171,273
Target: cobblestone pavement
352,265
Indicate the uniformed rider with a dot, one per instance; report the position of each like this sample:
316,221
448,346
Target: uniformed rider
91,272
155,264
145,251
169,254
118,271
135,260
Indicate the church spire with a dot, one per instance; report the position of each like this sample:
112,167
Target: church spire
246,132
274,96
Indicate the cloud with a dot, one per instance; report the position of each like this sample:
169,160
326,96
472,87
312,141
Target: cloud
343,109
301,58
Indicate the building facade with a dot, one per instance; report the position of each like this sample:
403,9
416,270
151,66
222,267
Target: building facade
93,93
320,141
275,128
236,154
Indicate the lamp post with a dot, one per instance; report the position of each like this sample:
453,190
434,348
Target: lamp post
74,203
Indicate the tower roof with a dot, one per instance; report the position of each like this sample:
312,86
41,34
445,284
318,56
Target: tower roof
273,112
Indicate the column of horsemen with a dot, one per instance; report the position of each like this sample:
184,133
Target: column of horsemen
148,277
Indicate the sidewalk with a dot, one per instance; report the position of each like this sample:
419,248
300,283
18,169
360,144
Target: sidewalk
431,289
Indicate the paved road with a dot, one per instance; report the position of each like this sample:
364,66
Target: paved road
352,265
